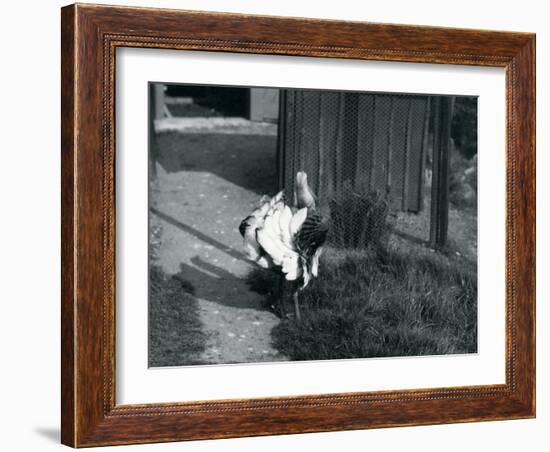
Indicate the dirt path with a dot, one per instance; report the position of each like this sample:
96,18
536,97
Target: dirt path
201,195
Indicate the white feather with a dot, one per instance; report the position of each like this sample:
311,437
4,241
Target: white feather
277,198
284,225
272,244
267,242
315,261
251,246
297,220
275,228
265,261
261,211
291,268
307,276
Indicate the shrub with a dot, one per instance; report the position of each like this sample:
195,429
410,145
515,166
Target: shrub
359,220
464,125
463,181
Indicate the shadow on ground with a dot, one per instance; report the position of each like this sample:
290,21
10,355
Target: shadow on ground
243,160
200,235
175,329
213,283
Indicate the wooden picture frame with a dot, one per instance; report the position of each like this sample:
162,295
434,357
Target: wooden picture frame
90,36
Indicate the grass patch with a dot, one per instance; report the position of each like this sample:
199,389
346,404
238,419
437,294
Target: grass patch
381,304
175,329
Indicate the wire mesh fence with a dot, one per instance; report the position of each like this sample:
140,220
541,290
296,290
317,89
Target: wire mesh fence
365,155
375,160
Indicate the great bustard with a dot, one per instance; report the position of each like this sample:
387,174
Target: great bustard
287,238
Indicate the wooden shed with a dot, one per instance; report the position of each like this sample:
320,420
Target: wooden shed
360,141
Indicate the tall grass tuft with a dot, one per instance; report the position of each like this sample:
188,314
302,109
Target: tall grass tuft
175,329
359,220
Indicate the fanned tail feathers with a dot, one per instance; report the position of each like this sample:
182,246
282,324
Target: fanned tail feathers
275,235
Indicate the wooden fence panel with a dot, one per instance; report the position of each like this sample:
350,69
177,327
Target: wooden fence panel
363,142
397,153
417,156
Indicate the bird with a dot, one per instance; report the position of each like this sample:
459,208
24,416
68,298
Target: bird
287,238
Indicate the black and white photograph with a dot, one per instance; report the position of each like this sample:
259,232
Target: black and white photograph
299,225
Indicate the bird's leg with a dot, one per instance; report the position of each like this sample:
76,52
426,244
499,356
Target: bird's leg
282,293
296,305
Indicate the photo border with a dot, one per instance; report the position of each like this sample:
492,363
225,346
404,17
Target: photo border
90,36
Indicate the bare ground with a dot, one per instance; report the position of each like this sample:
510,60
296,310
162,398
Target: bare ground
412,230
198,200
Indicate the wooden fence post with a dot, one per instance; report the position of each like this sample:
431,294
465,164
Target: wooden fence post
443,109
151,130
281,139
156,111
